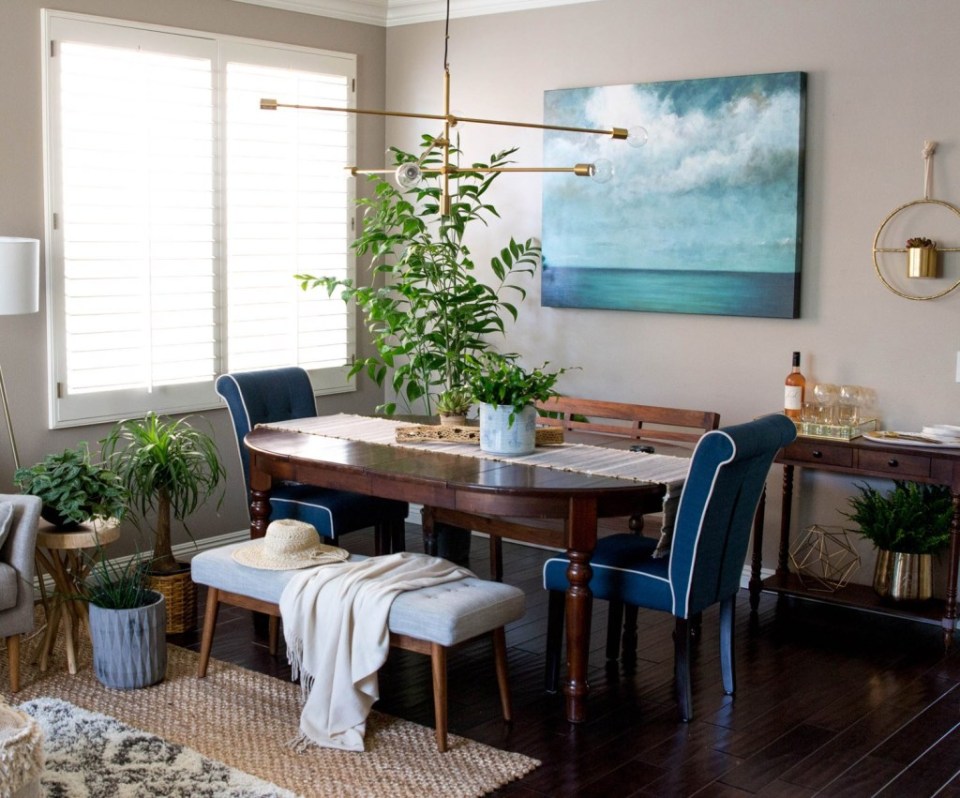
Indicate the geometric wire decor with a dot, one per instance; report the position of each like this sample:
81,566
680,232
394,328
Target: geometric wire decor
823,558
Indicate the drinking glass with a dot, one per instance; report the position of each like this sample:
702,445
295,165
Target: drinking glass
848,409
826,395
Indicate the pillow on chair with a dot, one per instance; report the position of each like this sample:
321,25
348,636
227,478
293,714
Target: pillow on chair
6,519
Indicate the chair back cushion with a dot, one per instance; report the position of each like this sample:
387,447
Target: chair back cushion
261,397
715,517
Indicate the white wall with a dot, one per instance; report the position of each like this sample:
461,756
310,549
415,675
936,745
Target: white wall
881,80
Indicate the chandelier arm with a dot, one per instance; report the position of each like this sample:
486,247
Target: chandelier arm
615,132
581,169
271,105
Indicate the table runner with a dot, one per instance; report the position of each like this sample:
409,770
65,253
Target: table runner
663,469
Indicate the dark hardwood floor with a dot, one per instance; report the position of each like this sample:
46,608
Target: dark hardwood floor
830,702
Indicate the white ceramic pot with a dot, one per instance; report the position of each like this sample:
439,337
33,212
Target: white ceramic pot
499,436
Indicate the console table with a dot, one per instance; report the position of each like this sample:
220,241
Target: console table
861,458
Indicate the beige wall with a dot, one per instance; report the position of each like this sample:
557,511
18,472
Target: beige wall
882,79
23,338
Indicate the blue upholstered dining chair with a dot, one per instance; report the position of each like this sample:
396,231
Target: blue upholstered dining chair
271,395
727,475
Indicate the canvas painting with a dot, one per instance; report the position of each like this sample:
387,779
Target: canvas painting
706,217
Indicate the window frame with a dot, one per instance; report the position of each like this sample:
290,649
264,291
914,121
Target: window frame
107,406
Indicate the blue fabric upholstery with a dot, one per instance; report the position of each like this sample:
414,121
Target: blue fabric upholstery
271,395
714,520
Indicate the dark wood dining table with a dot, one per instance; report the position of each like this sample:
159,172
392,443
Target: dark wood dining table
434,478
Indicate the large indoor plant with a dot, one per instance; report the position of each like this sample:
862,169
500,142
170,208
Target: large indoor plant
908,525
169,468
426,308
507,394
73,489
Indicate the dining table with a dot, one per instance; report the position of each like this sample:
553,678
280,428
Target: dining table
330,452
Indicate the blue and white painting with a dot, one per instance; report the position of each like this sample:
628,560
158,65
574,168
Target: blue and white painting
706,217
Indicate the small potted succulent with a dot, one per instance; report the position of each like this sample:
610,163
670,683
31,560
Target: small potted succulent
74,489
507,394
921,257
453,406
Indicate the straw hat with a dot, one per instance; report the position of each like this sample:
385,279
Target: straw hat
288,545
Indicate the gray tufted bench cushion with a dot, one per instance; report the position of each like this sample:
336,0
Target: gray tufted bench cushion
428,620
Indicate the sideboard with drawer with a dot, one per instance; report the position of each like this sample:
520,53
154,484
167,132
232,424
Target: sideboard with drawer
862,458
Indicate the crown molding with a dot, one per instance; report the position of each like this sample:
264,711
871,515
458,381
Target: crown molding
388,13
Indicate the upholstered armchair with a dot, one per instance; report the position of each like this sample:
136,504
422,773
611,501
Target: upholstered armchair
19,520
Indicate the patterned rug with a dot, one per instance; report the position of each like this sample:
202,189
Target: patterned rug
246,719
95,756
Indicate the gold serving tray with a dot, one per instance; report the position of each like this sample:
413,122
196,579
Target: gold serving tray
836,432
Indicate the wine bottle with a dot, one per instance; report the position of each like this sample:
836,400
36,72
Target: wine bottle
793,390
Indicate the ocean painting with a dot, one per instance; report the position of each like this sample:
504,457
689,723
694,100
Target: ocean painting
706,217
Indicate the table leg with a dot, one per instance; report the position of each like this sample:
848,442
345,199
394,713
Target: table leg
582,537
259,512
53,623
786,510
950,610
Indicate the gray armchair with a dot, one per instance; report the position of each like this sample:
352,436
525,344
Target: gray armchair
17,557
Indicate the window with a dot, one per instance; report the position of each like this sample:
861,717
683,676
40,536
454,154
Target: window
180,212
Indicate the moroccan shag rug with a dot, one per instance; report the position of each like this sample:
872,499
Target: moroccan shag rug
96,756
246,720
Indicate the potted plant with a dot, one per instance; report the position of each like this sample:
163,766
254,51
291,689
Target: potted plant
921,257
73,489
507,393
127,624
432,309
169,468
453,406
908,525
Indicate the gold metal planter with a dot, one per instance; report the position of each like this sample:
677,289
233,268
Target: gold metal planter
922,262
901,576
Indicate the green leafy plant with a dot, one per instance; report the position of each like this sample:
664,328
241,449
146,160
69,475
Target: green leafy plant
911,518
73,488
167,466
497,379
426,309
455,401
115,586
920,242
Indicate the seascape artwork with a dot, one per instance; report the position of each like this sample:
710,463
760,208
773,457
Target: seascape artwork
706,217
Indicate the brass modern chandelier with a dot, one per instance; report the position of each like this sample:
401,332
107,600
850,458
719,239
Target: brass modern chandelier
409,174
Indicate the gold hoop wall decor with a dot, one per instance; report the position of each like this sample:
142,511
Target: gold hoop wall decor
877,250
928,248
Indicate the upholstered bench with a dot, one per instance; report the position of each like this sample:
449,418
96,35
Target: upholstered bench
428,621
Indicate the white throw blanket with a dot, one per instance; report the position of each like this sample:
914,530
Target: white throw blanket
335,625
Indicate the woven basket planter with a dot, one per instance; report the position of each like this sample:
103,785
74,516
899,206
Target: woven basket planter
181,597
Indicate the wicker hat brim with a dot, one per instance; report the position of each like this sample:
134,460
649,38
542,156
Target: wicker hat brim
254,555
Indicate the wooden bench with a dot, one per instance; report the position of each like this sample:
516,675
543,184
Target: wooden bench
604,421
428,621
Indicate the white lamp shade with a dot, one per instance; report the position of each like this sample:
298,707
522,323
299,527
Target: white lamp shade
19,275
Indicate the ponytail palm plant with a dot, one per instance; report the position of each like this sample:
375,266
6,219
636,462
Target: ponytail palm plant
168,467
426,309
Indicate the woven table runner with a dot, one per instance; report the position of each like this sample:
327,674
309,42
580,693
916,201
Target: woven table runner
585,459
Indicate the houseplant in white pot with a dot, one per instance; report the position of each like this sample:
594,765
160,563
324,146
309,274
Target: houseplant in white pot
507,394
169,469
908,525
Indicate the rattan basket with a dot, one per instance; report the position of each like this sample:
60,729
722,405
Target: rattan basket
180,593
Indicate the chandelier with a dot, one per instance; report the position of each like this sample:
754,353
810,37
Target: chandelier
409,174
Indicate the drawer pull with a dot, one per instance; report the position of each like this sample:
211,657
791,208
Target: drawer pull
817,454
892,462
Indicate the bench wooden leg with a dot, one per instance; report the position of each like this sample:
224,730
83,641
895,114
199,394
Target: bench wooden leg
209,626
500,658
438,660
496,558
273,635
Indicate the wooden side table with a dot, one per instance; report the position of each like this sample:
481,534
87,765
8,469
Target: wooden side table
67,557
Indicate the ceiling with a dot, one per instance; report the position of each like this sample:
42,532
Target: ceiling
406,12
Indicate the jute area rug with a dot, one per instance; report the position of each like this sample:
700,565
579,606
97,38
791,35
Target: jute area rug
246,720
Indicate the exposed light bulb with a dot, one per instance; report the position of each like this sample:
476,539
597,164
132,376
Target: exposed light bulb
601,170
637,136
409,174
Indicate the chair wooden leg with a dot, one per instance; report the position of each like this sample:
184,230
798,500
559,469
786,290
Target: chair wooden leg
13,655
614,625
696,626
209,626
630,640
555,613
681,664
427,524
500,659
382,538
727,666
438,661
398,535
273,635
496,558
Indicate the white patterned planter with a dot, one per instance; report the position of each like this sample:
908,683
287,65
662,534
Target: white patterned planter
130,646
498,436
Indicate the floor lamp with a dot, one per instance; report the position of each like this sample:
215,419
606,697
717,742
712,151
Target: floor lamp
19,294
